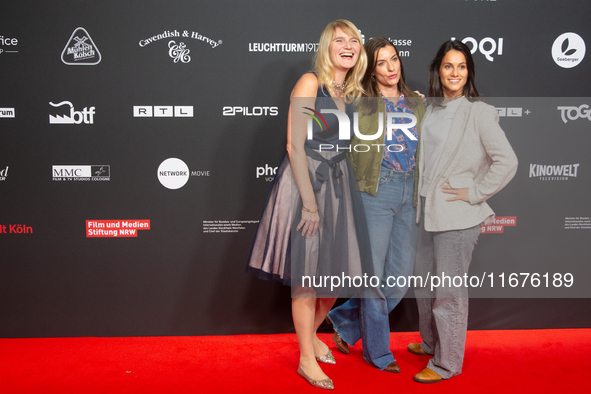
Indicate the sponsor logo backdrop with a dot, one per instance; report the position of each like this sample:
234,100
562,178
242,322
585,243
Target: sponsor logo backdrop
156,240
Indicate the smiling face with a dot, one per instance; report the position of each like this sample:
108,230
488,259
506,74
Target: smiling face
387,69
453,73
344,50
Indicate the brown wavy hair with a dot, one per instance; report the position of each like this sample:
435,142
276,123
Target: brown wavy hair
369,83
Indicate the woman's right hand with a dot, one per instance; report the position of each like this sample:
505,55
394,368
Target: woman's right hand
309,223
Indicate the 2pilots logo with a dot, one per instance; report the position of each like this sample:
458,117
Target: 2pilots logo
568,50
178,50
85,116
81,50
248,111
487,46
81,173
573,113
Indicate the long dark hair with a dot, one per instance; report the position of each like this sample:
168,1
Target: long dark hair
370,86
435,88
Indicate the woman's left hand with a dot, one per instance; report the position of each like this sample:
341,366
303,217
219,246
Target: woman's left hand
460,194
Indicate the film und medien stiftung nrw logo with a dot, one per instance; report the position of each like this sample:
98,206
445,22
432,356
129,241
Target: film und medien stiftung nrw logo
173,173
568,50
81,50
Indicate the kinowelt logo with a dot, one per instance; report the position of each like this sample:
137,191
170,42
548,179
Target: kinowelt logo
345,126
568,50
574,113
487,46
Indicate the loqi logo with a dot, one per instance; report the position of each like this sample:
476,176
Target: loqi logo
173,173
75,117
487,46
345,126
178,111
81,50
568,50
574,113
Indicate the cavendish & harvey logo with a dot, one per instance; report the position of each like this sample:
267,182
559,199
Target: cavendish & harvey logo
178,51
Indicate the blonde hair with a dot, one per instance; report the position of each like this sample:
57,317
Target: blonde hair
323,64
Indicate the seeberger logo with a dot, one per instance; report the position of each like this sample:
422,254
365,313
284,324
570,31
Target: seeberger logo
553,172
81,50
115,228
574,113
81,173
85,116
568,50
499,224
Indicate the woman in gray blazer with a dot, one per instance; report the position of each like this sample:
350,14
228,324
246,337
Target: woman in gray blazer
465,159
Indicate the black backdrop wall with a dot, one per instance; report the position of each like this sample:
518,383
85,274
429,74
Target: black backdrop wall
104,103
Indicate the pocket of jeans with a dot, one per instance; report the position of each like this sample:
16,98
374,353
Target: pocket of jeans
383,179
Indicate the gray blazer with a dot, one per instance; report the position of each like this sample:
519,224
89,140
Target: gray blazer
476,155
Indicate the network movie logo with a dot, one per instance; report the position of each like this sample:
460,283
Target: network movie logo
568,50
3,174
394,121
499,224
487,46
574,113
166,111
7,113
15,229
179,52
247,111
553,172
115,228
85,116
81,50
8,45
81,173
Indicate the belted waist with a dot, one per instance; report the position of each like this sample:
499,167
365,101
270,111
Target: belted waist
323,170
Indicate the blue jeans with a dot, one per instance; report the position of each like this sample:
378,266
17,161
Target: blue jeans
391,220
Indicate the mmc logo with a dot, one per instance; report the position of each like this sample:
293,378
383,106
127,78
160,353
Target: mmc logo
345,124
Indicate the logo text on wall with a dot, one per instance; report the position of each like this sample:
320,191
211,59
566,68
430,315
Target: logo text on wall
250,111
85,116
487,46
573,113
177,49
3,173
15,229
549,172
163,111
7,113
115,228
81,173
8,45
499,224
80,50
568,50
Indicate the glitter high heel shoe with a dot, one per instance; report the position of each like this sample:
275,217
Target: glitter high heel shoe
321,384
328,358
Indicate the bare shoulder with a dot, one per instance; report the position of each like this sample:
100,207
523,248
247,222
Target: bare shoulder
306,86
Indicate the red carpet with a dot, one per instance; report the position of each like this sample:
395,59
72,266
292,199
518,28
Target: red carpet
532,361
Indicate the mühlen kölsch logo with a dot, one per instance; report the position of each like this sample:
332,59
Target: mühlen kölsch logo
81,50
